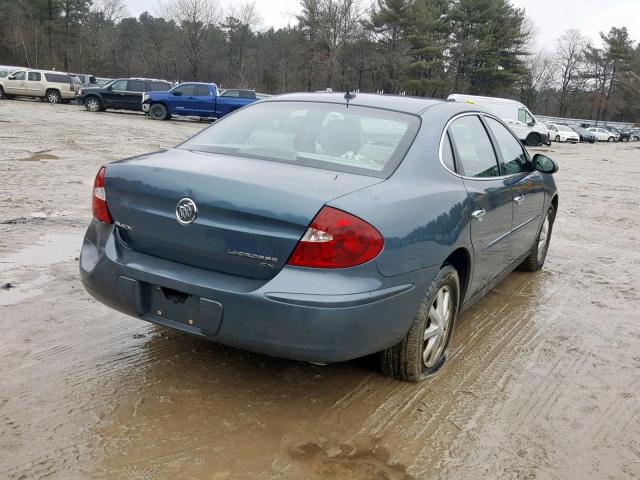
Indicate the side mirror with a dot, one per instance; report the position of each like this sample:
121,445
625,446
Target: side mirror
544,164
177,94
11,77
531,123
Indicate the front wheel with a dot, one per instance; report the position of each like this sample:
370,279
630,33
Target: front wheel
2,94
610,139
93,104
423,350
538,253
533,140
157,111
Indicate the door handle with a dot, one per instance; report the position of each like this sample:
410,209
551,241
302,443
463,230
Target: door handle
478,214
518,199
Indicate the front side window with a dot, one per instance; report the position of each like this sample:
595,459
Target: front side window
19,75
120,85
515,160
185,90
329,136
34,76
524,116
475,153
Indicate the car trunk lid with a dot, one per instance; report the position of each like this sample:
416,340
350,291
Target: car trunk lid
250,212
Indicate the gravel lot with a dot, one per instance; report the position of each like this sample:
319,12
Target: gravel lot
542,380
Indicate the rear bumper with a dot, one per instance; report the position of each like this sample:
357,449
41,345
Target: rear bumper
302,314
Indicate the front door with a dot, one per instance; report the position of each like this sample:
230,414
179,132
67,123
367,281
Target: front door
114,96
16,83
526,186
489,195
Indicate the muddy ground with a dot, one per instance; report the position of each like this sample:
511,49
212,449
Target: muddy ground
542,380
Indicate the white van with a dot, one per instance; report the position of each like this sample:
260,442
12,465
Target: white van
529,130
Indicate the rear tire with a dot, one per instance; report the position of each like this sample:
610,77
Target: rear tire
538,254
53,96
533,140
158,111
557,138
423,350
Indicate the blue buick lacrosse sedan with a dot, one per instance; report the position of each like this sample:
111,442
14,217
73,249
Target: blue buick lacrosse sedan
322,227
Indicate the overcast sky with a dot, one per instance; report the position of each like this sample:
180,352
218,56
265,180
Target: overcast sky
551,17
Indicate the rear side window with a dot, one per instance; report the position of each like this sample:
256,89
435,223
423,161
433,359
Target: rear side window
330,136
515,160
57,78
201,90
34,76
158,86
447,154
475,153
135,86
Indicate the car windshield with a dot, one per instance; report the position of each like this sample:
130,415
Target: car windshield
564,128
330,136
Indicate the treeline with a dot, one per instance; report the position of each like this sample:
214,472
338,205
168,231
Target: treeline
416,47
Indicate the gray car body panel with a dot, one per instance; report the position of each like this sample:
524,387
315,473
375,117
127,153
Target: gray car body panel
422,210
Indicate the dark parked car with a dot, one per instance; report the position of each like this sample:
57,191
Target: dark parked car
122,94
322,227
585,135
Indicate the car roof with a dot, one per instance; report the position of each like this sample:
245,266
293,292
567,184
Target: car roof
400,103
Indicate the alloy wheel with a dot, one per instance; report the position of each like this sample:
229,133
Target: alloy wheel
93,105
438,326
53,97
542,239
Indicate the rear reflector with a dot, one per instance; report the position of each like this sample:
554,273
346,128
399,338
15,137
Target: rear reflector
99,199
336,239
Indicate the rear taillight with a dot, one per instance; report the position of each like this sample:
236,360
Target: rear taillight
336,239
99,199
71,87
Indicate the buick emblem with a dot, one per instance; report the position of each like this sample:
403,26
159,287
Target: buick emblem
186,211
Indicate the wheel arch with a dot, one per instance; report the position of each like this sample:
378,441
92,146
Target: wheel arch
460,259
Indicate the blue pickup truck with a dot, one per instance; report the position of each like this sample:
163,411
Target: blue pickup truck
195,100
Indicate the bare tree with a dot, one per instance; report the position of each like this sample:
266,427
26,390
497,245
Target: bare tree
330,24
196,19
569,56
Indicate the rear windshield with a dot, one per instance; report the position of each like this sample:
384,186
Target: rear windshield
351,139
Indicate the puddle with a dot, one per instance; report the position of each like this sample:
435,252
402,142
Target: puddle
41,155
51,249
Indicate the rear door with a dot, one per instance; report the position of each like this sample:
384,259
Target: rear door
16,83
490,198
204,101
35,85
133,95
527,190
